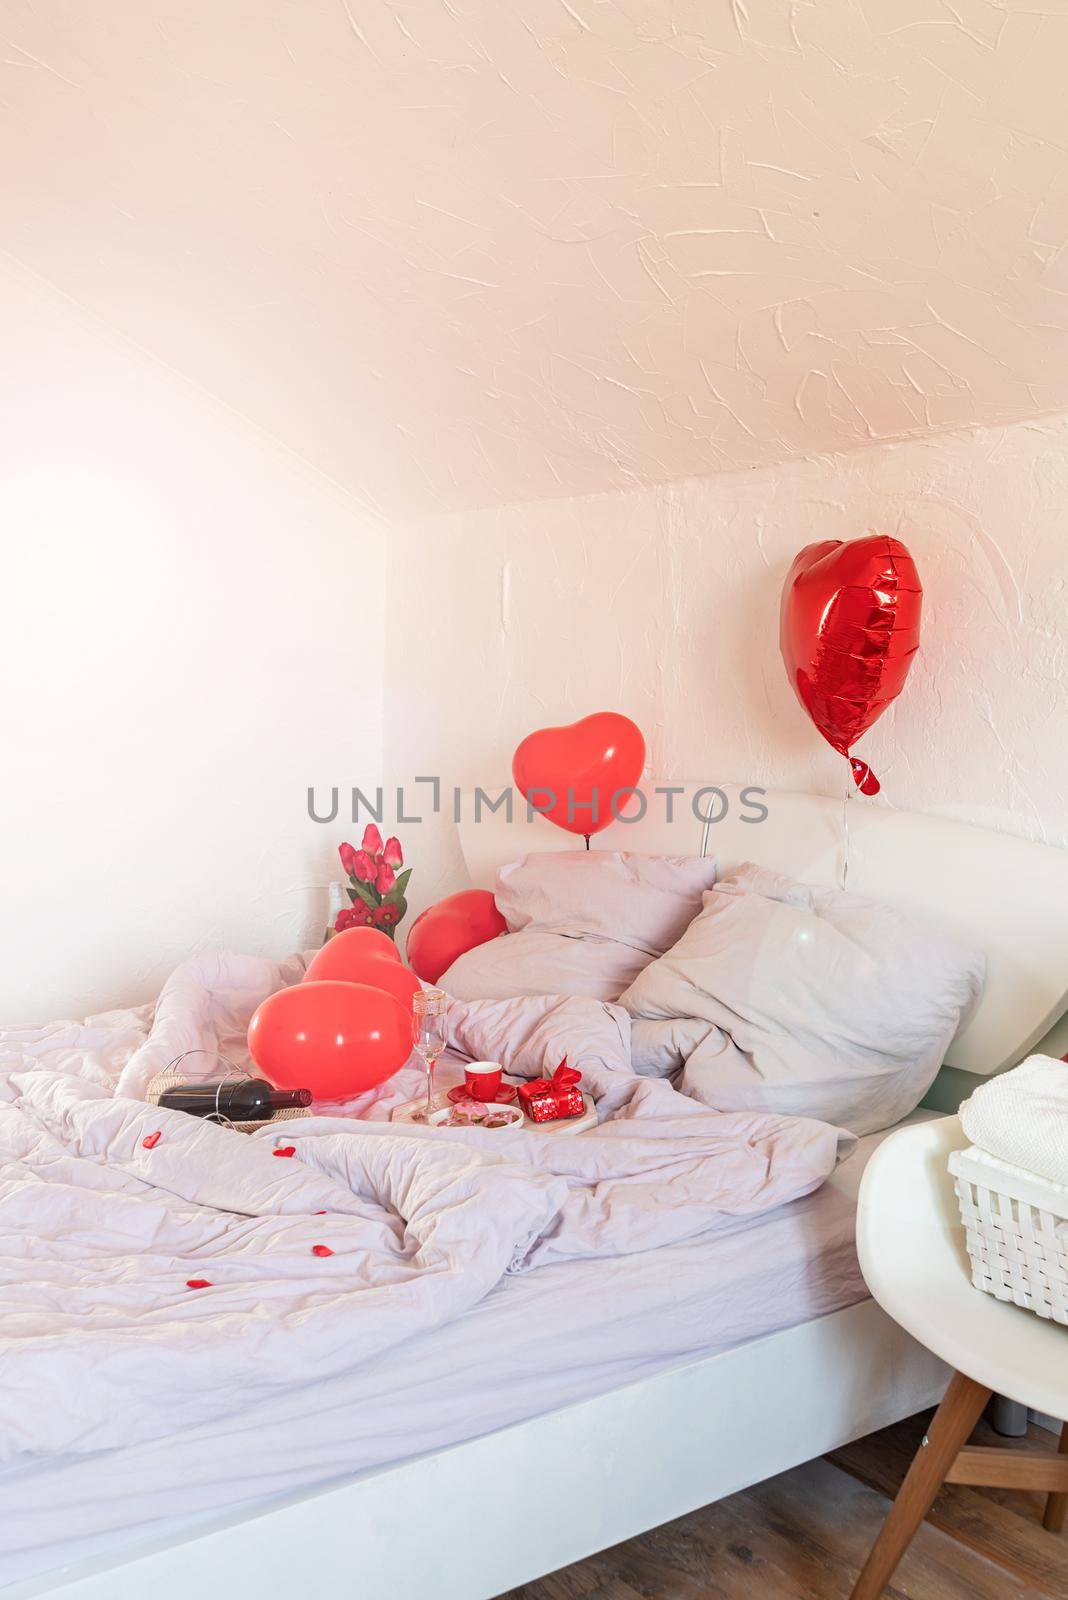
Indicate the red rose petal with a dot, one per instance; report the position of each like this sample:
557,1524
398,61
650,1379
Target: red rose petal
285,1150
318,1213
151,1141
199,1283
321,1250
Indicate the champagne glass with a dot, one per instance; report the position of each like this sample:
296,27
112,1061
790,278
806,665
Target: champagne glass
428,1036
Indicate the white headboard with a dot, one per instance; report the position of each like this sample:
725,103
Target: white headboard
1005,894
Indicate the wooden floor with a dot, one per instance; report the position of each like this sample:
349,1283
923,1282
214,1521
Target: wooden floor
804,1536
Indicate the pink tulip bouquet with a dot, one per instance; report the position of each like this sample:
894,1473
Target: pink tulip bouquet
376,886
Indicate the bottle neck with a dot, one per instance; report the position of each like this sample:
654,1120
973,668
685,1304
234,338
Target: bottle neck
281,1099
246,1093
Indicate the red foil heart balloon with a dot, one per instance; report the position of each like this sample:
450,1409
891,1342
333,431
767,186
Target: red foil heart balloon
572,774
849,628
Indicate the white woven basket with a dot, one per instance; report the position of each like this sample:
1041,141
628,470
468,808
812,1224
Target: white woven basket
1017,1233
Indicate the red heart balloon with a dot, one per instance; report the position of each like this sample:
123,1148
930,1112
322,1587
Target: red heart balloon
336,1039
446,930
849,628
571,774
357,963
359,941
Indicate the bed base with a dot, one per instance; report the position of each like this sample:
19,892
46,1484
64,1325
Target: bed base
555,1488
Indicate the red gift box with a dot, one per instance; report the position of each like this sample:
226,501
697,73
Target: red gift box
551,1099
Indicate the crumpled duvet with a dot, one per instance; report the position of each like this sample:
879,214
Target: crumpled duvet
150,1284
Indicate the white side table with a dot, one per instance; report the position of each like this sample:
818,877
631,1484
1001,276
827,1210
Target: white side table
911,1247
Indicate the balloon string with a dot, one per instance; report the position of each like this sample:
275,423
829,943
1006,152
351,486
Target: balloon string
866,781
587,839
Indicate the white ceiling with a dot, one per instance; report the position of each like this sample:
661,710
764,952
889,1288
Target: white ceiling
462,252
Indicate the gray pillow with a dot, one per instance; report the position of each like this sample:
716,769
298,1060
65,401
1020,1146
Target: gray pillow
819,1003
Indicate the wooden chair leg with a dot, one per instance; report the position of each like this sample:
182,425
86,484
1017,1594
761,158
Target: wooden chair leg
952,1423
1057,1504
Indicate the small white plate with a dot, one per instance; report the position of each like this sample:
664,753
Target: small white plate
492,1116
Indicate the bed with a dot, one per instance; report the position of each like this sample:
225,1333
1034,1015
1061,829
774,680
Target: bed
571,1453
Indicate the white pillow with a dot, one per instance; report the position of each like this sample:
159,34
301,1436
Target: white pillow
536,961
642,901
820,1003
582,922
659,1048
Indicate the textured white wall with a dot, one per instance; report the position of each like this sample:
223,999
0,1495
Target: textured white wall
463,254
179,658
664,604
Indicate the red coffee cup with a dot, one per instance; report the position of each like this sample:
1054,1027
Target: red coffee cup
482,1079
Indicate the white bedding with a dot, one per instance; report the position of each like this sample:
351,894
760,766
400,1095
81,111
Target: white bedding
159,1272
544,1339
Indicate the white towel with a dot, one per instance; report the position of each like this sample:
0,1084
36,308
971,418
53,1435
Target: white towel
1022,1117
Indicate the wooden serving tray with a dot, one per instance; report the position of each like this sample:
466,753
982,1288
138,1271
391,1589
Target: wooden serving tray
581,1124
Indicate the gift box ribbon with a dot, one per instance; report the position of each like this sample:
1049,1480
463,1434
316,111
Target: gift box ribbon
563,1079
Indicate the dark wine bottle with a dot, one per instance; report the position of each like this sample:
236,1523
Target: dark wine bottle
235,1099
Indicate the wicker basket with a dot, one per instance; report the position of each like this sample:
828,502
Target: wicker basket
1017,1233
